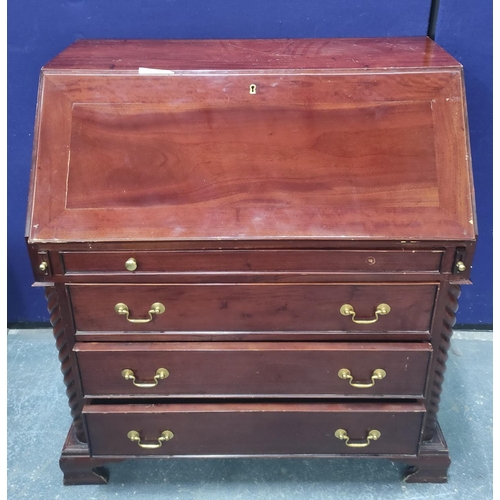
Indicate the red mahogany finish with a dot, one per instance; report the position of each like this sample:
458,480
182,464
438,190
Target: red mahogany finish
274,165
256,245
253,262
227,429
254,369
255,307
195,55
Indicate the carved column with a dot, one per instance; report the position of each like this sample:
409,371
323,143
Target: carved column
65,357
441,349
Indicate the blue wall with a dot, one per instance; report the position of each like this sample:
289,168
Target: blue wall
38,30
465,30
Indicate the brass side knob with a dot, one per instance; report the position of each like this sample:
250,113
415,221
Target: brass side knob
461,266
43,266
131,264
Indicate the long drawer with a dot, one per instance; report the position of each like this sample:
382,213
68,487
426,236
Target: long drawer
253,307
252,261
253,369
226,429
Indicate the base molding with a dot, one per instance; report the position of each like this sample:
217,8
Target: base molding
432,463
78,466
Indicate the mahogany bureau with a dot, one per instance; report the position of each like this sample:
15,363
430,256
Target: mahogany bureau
252,247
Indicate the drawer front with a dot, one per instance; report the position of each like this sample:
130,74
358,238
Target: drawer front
255,307
265,369
253,261
253,429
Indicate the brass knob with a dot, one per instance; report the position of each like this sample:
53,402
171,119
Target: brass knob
135,437
461,266
43,266
373,435
131,264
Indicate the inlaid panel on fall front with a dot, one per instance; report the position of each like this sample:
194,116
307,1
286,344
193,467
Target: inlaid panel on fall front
253,307
279,157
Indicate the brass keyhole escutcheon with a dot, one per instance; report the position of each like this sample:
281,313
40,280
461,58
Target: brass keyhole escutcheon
253,88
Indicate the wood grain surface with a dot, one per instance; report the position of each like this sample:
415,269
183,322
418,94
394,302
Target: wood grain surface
254,261
254,429
254,307
216,369
354,53
277,158
260,185
381,155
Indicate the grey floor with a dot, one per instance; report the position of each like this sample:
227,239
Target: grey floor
38,419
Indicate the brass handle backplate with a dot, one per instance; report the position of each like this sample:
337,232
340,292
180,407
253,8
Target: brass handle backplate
377,374
348,310
161,374
131,264
156,308
136,438
373,435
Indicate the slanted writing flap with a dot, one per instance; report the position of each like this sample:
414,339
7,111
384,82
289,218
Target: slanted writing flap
379,155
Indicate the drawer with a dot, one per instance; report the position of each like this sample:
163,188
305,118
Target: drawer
253,261
226,429
252,307
253,369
